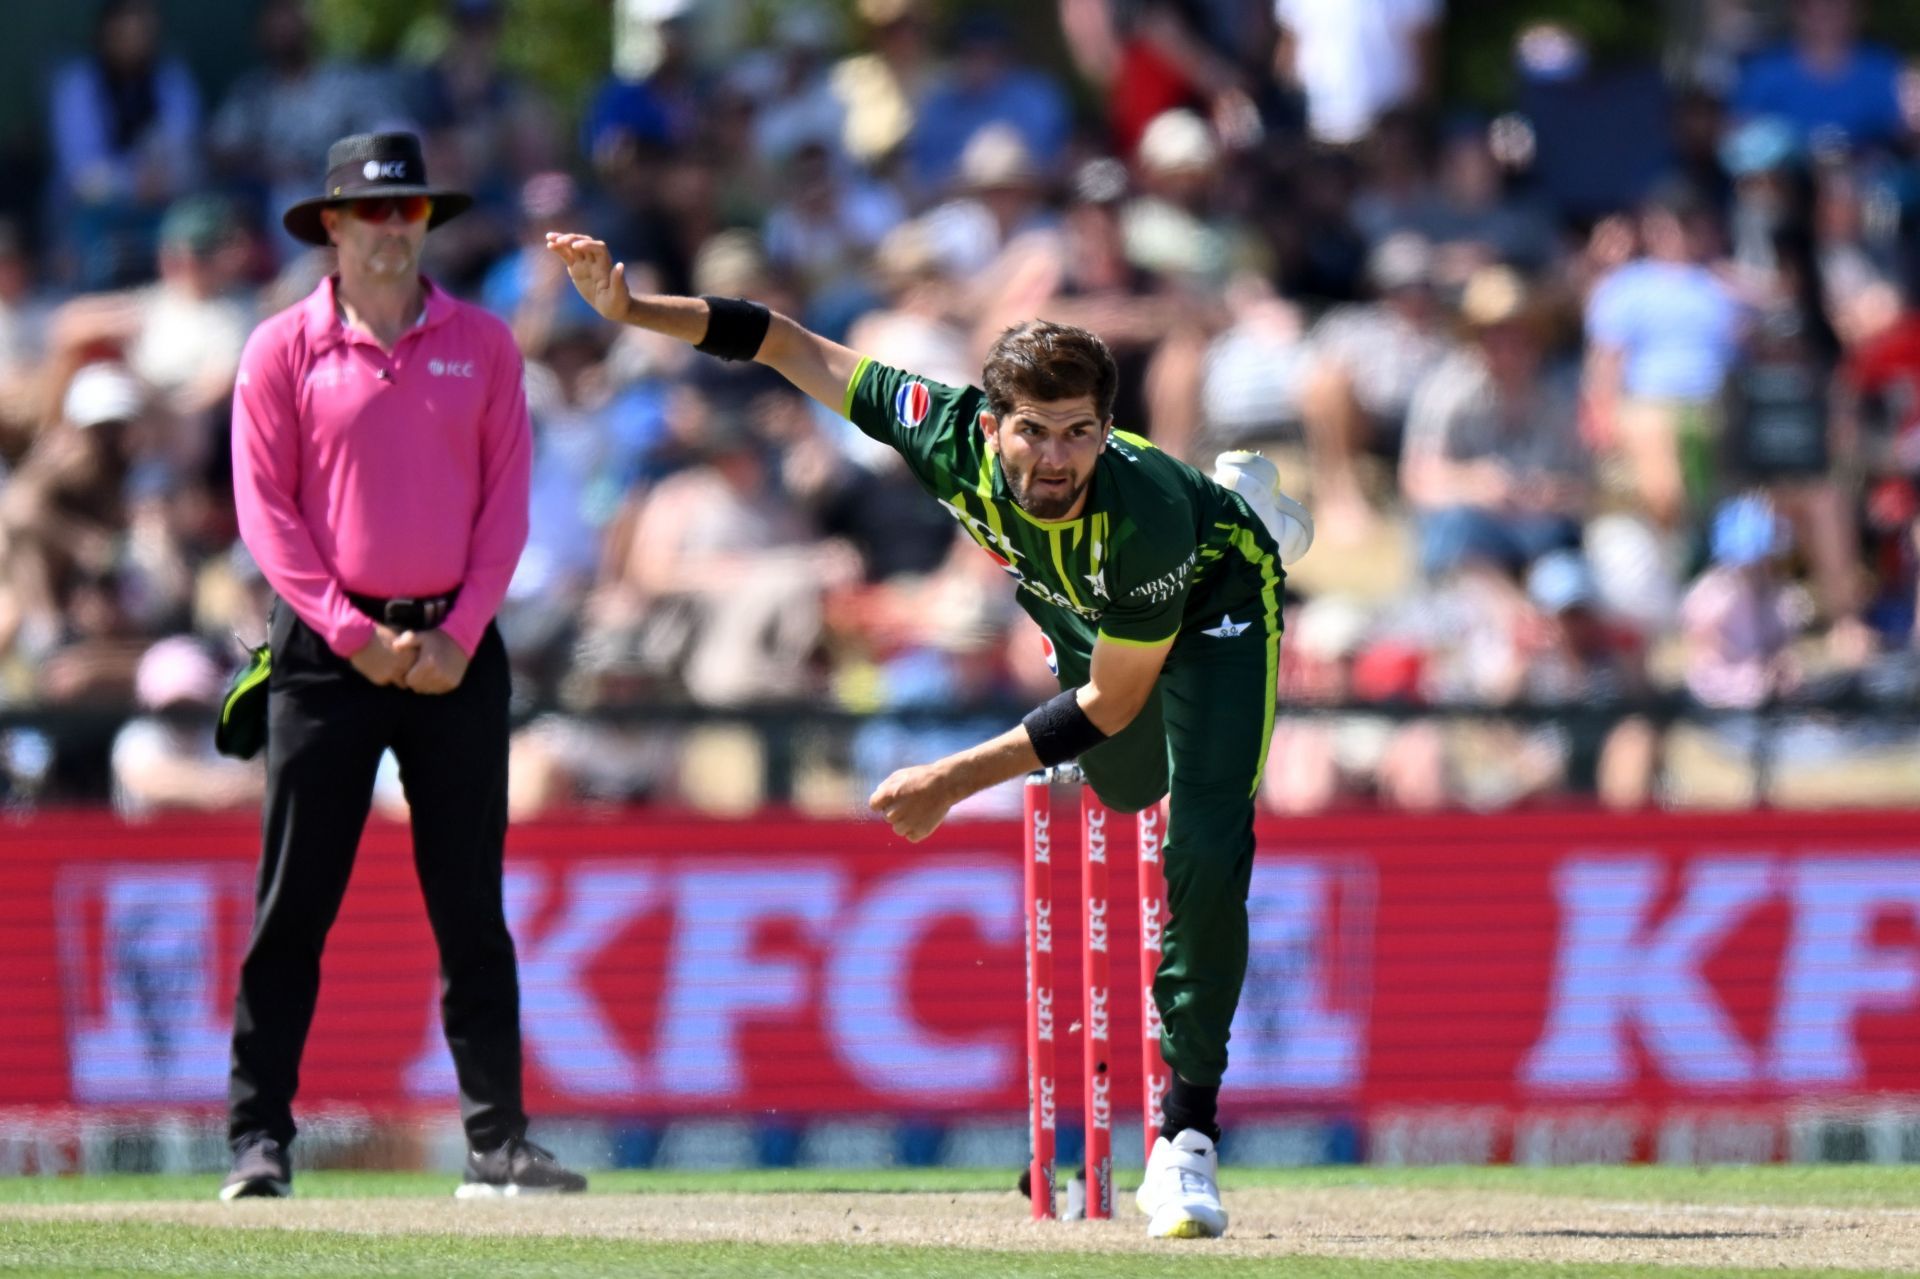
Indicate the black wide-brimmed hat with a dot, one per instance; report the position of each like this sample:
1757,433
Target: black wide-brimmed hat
370,165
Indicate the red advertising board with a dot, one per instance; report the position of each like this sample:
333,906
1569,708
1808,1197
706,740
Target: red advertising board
1573,968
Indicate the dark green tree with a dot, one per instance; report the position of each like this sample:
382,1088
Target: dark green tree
564,46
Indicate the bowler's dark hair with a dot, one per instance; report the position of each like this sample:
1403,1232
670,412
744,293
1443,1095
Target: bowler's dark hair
1040,360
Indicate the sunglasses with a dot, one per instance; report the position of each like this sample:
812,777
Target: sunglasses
377,209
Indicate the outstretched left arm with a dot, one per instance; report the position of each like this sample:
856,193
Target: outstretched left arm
916,800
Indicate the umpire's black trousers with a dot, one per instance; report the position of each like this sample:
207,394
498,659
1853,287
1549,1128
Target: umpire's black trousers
327,729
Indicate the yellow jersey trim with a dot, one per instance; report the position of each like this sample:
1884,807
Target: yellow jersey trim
1134,643
853,384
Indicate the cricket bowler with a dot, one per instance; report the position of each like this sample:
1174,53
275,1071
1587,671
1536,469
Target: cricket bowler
1159,587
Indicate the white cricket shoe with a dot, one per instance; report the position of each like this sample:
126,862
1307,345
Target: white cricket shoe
1181,1191
1254,478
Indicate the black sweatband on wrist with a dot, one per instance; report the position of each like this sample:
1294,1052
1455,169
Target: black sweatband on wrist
1060,730
735,328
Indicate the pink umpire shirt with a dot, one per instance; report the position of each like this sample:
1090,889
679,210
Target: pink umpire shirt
394,475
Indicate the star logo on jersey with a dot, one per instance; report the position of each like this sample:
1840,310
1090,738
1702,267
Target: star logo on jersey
1098,581
1228,628
911,403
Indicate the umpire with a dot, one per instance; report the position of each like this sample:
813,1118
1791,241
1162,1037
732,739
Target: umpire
381,455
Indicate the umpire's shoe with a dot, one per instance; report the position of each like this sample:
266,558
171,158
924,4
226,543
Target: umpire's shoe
517,1168
260,1170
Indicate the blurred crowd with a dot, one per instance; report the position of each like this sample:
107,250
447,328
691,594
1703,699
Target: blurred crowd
1607,402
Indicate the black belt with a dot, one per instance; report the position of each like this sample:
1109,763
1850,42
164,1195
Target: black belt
407,613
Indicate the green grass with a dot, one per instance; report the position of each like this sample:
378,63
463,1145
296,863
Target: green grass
84,1249
1822,1185
116,1249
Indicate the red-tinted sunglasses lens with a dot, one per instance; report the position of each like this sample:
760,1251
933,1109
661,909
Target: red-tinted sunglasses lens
411,208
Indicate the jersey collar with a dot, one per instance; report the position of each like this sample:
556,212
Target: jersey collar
325,327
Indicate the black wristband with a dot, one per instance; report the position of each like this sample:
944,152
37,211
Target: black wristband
1060,730
735,328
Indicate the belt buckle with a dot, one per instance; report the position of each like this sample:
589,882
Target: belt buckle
394,608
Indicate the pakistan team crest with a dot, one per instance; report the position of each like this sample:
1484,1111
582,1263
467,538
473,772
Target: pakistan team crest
911,404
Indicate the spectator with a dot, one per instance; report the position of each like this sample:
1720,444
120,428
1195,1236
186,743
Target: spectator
1598,132
1467,216
860,490
1835,88
154,575
791,85
524,287
1175,227
1251,381
1304,217
1739,616
126,141
181,335
1859,292
1663,330
1493,465
1877,411
1154,56
1319,761
471,105
1579,658
652,106
1774,251
1395,175
826,229
192,323
232,597
163,759
575,468
1367,360
1354,59
291,107
916,327
984,86
1780,416
998,198
880,90
63,510
1180,232
717,585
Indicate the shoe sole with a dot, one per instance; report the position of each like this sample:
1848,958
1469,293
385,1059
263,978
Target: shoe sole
484,1190
1184,1225
257,1188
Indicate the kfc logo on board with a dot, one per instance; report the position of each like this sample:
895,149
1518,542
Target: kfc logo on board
1097,925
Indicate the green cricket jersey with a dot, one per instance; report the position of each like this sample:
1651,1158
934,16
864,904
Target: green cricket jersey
1158,551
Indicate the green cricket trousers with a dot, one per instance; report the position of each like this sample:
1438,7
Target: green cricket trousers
1202,738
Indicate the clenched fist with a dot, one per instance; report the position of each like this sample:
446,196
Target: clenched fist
914,800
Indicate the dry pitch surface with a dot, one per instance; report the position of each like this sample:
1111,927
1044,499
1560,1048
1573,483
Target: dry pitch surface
1694,1220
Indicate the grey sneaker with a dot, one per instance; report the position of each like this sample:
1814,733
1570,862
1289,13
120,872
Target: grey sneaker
260,1170
517,1168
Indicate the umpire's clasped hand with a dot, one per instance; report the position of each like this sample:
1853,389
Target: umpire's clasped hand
382,660
438,666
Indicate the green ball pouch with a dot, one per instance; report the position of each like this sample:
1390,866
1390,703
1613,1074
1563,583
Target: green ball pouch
242,728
